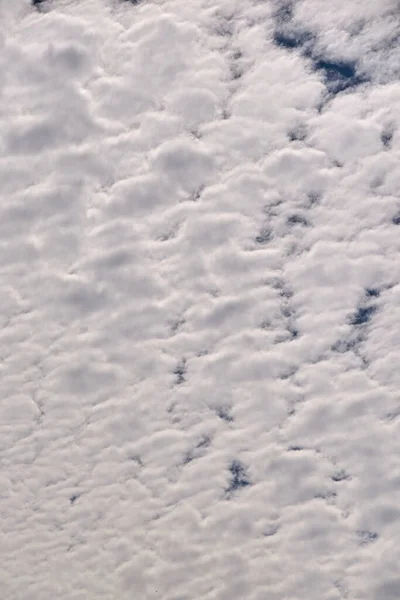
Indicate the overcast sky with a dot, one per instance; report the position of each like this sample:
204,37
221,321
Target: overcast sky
200,300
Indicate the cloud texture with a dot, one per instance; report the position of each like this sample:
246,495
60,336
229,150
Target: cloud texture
200,300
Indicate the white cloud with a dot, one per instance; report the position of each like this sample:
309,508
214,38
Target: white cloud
200,286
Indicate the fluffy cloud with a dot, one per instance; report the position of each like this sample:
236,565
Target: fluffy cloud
200,287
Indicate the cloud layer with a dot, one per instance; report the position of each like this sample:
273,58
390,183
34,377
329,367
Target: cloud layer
200,296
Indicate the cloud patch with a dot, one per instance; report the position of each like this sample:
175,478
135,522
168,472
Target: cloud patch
200,290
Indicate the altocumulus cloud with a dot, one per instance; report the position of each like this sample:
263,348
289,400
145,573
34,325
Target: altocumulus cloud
200,299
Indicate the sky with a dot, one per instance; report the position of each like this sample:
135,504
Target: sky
200,300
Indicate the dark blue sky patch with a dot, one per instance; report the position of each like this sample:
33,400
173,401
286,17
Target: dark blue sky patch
188,458
285,292
239,477
386,138
338,75
270,530
180,372
224,413
288,41
287,311
297,220
292,39
396,219
340,476
196,195
204,442
367,537
337,164
297,135
336,69
372,292
198,451
363,315
264,236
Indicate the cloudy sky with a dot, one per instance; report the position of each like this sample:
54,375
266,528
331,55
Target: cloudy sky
200,300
